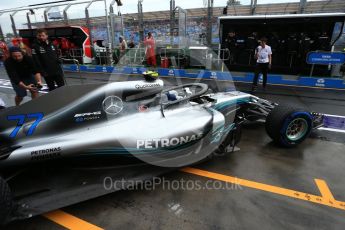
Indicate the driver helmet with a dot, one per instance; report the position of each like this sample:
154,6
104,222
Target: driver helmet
150,75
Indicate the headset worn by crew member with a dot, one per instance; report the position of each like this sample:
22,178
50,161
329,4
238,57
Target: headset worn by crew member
47,60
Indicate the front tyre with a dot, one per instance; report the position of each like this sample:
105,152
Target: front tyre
289,126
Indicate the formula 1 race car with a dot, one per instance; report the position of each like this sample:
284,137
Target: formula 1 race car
165,127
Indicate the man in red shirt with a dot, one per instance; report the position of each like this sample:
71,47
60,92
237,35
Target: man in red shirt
150,43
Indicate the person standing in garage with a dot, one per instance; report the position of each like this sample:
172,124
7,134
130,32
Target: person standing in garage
47,61
231,45
263,56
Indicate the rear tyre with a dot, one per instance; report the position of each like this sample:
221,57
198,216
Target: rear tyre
289,126
6,202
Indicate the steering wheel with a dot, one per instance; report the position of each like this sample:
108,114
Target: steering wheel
199,88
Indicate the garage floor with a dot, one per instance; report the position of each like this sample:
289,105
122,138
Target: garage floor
271,187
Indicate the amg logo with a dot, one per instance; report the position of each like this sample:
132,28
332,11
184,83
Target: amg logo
162,143
147,86
45,154
88,114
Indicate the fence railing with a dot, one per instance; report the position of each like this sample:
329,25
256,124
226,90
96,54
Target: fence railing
136,56
75,62
132,57
175,55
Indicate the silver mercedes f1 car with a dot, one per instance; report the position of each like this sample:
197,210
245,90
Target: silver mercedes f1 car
167,127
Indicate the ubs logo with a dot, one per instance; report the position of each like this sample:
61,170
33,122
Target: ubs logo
321,81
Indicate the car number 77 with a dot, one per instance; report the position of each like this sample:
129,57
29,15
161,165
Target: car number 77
21,121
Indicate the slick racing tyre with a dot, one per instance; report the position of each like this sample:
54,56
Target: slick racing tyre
6,202
288,126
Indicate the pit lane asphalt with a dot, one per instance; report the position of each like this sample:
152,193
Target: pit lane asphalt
321,156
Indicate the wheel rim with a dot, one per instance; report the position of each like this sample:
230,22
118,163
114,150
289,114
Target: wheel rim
297,129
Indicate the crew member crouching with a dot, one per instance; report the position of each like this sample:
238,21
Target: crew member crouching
23,74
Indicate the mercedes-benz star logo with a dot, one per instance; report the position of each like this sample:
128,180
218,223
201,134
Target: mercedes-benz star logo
112,105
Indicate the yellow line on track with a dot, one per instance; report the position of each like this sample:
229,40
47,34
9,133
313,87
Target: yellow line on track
326,197
324,189
69,221
74,223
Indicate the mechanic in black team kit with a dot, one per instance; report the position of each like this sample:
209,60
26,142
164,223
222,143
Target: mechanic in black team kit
23,74
47,61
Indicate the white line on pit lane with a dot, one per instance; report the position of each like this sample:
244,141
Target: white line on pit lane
337,116
6,84
5,87
332,130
